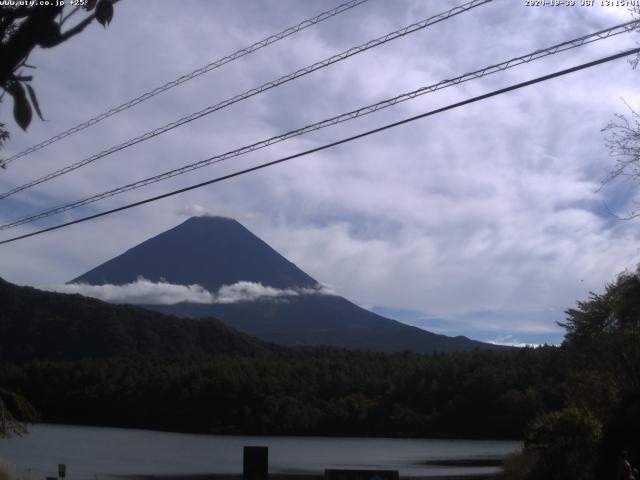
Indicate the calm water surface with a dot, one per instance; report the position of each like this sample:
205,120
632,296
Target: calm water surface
91,452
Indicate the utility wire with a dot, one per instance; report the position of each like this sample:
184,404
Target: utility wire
329,122
333,144
189,76
255,91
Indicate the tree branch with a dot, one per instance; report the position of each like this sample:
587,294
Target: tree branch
79,27
75,30
31,32
69,15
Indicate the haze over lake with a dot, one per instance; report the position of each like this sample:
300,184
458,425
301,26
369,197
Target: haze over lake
97,451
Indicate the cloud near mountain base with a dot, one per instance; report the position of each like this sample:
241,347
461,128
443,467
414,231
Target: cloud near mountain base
146,292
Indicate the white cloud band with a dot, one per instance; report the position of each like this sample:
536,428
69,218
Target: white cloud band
146,292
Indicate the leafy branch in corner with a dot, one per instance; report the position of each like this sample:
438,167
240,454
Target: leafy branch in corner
25,27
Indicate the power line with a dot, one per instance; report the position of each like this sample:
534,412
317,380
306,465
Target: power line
255,91
333,144
574,43
189,76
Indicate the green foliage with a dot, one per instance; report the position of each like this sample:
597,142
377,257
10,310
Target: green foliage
613,315
564,442
25,27
598,421
518,466
14,412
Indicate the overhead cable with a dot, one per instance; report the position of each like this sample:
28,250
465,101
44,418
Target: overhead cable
189,76
538,54
415,27
332,144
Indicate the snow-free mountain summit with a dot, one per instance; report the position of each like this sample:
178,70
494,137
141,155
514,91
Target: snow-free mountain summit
218,253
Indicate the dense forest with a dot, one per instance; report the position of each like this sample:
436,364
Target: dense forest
577,406
481,394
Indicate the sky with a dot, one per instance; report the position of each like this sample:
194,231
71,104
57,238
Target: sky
487,221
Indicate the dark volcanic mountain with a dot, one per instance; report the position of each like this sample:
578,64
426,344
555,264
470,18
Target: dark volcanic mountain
215,251
208,251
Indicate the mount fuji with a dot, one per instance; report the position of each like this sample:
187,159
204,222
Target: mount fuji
251,287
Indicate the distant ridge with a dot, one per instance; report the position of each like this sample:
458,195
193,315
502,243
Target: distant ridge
217,251
324,320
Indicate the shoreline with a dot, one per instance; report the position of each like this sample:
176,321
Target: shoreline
288,476
445,438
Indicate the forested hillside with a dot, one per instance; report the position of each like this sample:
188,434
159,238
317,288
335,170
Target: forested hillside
35,324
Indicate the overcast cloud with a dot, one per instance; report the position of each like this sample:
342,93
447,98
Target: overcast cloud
485,221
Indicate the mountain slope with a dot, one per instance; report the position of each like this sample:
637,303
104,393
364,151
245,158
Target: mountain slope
323,320
35,324
208,251
216,251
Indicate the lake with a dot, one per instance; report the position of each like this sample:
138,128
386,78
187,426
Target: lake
91,452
